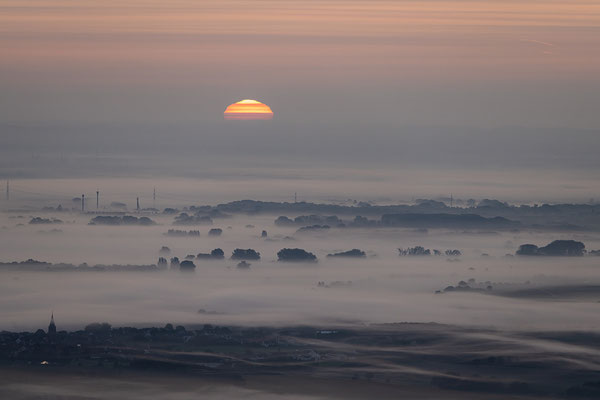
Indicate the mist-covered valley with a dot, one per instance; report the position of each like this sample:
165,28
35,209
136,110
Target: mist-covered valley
428,297
429,302
381,287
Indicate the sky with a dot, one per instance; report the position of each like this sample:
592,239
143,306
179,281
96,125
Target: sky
438,84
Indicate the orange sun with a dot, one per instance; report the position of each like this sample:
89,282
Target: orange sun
248,109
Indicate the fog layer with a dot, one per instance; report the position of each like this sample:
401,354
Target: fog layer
383,287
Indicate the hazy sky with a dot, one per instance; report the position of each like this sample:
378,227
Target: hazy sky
449,83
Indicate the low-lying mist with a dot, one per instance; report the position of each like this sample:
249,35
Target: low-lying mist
381,288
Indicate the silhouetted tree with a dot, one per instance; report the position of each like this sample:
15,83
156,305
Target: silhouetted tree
245,254
313,228
415,251
570,248
187,265
124,220
453,253
349,253
295,255
215,232
284,221
527,250
39,220
186,219
217,253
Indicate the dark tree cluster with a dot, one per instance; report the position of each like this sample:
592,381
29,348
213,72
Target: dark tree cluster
528,250
295,255
356,253
186,219
490,214
245,254
215,232
180,233
415,251
187,266
40,221
314,221
331,220
448,221
470,285
317,220
313,228
570,248
124,220
28,262
421,251
216,254
208,211
34,265
284,221
362,222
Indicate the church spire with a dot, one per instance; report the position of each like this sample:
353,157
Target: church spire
52,326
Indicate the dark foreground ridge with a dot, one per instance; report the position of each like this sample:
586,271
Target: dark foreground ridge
422,355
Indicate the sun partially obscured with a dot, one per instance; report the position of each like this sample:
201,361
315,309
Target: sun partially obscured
248,110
